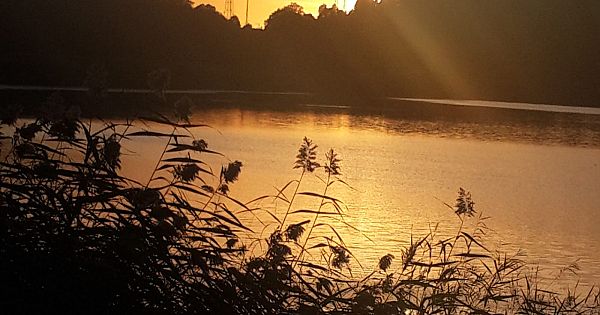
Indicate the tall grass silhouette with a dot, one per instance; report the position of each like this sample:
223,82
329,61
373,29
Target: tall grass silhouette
77,236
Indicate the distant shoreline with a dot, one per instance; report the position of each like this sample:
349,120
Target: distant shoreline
141,91
313,100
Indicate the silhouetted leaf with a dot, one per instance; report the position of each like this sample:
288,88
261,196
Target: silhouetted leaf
155,134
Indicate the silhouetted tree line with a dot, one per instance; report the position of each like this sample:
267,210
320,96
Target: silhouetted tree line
535,51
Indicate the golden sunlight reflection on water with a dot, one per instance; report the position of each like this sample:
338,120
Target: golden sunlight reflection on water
539,184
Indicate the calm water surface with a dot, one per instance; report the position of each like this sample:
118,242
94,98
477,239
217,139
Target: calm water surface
537,177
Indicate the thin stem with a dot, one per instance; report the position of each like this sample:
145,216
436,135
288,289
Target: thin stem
292,200
462,222
303,248
449,254
161,157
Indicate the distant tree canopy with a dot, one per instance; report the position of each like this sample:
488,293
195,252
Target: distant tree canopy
534,51
290,16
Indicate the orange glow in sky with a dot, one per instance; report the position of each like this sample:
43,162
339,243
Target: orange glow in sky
259,10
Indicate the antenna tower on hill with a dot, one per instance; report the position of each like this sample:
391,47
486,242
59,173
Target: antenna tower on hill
247,6
228,9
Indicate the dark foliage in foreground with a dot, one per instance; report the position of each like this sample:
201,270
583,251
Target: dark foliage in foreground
75,236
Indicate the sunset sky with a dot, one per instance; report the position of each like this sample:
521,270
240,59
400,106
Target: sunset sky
261,9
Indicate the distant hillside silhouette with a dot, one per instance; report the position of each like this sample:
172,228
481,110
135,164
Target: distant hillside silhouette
545,51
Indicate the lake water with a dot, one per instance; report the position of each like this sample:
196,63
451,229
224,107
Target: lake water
537,175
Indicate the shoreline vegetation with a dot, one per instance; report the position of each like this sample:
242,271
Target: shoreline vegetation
76,236
539,51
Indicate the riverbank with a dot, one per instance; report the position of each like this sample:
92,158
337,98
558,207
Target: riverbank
130,103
